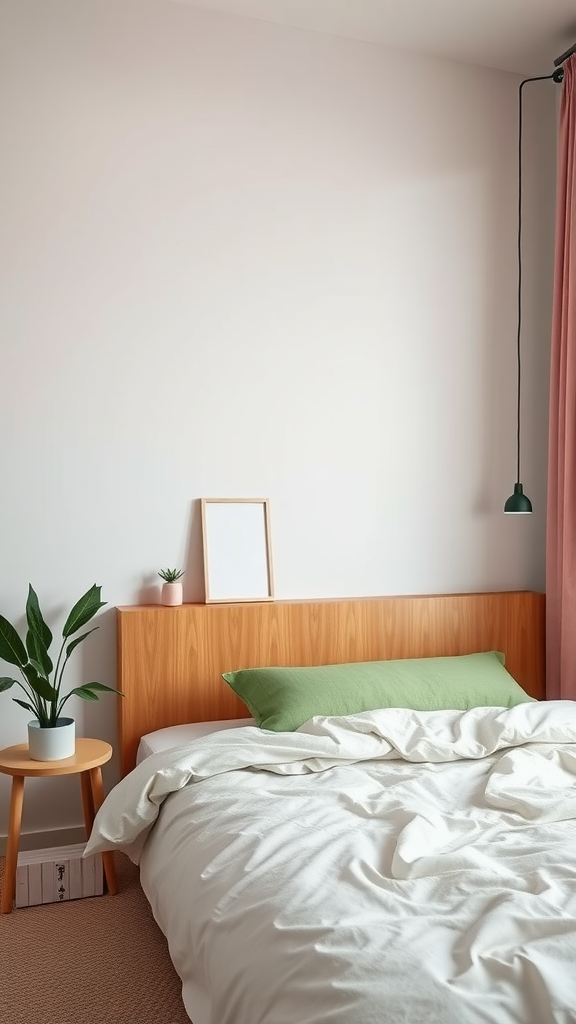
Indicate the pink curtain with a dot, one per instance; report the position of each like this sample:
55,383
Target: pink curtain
561,512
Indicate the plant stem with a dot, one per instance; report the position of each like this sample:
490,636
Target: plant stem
33,697
58,682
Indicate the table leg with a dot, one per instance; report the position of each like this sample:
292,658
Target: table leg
87,802
97,790
14,821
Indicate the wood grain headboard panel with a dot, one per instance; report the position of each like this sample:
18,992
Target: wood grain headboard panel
170,660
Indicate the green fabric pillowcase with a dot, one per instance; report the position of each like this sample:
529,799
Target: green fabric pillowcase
282,699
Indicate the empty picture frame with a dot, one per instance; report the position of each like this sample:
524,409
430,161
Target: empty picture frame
237,549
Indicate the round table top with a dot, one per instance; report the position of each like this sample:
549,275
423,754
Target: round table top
88,754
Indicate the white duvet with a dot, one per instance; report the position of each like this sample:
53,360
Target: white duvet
392,866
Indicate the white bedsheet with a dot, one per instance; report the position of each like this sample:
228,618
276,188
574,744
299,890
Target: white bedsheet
392,866
178,735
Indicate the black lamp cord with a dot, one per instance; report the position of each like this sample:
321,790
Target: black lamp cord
558,76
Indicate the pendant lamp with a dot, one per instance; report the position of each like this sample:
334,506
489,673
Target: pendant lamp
519,503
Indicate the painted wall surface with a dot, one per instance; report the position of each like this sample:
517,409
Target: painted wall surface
242,260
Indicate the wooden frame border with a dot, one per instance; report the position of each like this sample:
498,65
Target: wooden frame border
265,503
170,660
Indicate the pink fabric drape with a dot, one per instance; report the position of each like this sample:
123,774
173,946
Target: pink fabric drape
561,511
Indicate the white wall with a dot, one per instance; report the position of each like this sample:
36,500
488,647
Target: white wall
243,260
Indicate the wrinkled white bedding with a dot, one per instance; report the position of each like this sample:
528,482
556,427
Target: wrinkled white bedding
392,866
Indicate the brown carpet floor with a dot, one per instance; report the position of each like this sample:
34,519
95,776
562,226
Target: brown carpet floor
99,960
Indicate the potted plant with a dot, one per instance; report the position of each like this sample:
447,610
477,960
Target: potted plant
50,734
171,588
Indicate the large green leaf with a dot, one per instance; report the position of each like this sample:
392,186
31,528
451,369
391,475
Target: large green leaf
102,686
27,707
6,683
87,692
35,618
83,611
12,649
38,653
36,666
39,685
84,692
74,643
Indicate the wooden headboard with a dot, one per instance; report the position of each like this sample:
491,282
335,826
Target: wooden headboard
170,660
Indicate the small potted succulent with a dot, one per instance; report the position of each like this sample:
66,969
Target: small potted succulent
51,736
172,587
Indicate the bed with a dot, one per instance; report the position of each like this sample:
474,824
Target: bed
389,864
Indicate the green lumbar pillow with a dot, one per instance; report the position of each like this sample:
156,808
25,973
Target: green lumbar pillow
282,699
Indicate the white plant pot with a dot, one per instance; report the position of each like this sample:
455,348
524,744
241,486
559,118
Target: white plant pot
172,593
52,743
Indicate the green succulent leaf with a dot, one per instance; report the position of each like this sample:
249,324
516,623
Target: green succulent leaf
171,575
6,683
35,618
83,611
38,653
74,643
12,649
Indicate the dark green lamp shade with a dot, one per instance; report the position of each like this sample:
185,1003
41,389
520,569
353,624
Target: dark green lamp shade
518,503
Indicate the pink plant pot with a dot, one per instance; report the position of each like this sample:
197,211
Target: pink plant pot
172,593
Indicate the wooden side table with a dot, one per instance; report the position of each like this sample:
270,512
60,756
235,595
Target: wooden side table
87,760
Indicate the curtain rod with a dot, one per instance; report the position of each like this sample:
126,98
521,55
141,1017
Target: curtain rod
564,56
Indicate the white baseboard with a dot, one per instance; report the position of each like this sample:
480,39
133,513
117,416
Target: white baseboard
41,840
